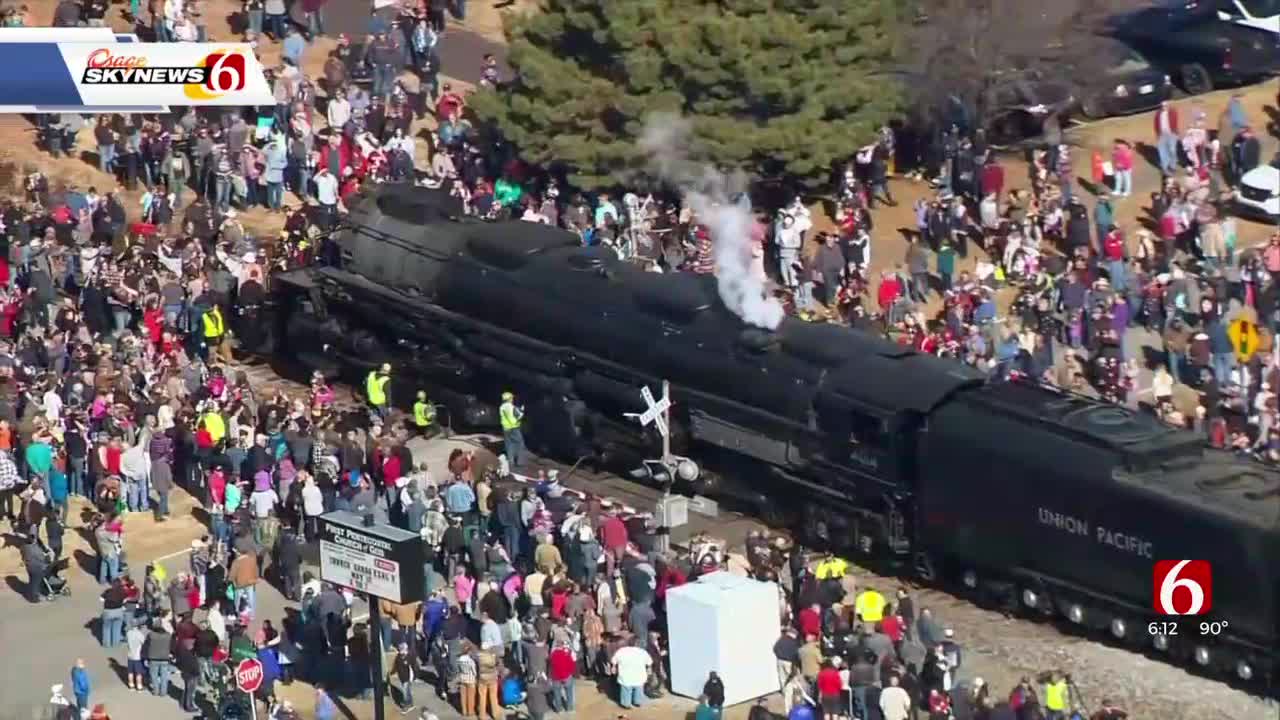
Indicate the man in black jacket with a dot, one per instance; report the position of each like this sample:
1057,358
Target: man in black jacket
189,667
36,557
289,561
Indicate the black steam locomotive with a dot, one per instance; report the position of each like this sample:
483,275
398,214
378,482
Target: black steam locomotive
1018,494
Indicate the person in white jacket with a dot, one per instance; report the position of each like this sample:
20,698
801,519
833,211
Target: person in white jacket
895,703
135,465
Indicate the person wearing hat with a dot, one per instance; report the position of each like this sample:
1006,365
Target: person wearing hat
424,415
375,388
511,417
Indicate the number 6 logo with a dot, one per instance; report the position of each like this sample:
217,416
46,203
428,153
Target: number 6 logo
1194,578
226,72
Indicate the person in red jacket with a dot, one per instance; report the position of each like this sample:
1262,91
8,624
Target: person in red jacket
894,628
992,178
561,667
810,621
1122,166
831,691
888,293
613,536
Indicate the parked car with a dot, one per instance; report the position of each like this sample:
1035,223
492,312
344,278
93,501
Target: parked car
1130,85
1259,193
1205,44
1017,109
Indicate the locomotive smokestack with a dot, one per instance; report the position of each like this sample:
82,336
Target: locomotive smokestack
724,210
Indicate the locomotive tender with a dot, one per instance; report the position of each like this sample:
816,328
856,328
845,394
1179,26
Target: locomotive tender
1014,493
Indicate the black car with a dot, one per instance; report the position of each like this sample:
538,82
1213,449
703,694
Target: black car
1130,85
1017,108
1204,45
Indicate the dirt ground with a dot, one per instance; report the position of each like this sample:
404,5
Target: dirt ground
890,245
17,137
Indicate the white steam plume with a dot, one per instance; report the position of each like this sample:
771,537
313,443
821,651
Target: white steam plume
728,219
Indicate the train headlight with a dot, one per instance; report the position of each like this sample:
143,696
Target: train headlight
687,470
1160,642
1030,599
1202,656
1118,628
1244,670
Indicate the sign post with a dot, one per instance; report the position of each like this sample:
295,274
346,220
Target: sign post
380,561
248,680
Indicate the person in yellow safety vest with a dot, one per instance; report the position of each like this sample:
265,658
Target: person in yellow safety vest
424,415
375,390
831,568
511,418
830,571
216,426
215,330
870,606
1056,694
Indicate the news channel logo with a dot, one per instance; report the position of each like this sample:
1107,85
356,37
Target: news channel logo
1182,587
94,70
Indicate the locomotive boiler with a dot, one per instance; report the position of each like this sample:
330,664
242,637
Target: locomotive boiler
1017,494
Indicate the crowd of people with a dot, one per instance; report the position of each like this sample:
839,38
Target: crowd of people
117,383
1062,293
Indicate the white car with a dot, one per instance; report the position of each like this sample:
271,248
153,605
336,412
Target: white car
1259,193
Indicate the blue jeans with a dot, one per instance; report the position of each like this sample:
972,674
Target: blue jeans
76,472
121,316
303,189
563,695
1223,363
1176,361
460,9
108,568
275,195
112,627
162,503
255,21
106,155
276,26
249,597
513,445
159,671
630,696
218,526
222,190
1116,271
315,22
1167,148
384,77
1124,182
135,495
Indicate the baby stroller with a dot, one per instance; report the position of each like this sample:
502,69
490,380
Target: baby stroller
55,586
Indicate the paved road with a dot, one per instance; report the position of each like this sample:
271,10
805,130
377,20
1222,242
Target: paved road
43,641
462,51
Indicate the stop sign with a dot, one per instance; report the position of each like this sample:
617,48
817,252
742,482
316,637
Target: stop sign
249,675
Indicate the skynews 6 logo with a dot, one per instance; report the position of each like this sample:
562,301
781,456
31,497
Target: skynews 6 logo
216,74
1182,587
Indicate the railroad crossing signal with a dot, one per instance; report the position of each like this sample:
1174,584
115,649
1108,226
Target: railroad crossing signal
1244,339
657,412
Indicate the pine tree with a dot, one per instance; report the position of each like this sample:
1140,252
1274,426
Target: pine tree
779,89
